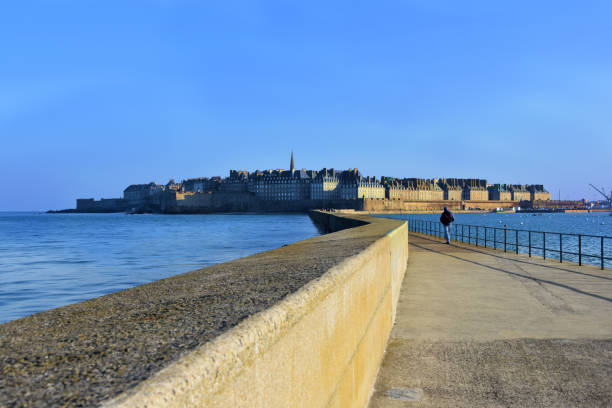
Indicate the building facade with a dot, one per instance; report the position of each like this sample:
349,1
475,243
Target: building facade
499,192
325,186
413,189
519,192
537,192
202,184
282,184
140,193
353,185
475,190
453,190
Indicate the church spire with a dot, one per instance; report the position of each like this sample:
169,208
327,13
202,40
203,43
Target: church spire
292,165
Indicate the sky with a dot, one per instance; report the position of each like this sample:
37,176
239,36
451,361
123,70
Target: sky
97,95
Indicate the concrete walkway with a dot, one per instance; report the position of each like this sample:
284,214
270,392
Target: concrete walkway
481,328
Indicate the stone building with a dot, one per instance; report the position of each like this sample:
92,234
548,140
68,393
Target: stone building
325,185
345,185
137,194
237,182
475,190
202,184
499,192
353,185
538,193
413,189
464,189
281,184
172,185
453,190
519,192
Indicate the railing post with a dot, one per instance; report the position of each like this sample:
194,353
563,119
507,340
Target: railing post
477,235
485,237
495,238
602,252
560,248
462,232
579,250
544,245
530,244
505,238
516,242
469,235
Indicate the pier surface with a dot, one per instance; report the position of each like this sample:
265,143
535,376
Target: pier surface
478,327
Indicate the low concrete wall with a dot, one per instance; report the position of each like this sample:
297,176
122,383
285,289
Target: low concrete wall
321,346
327,222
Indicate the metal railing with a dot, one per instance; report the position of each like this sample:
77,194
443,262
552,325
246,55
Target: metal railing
579,248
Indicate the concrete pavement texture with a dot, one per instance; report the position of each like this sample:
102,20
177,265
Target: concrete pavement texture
483,328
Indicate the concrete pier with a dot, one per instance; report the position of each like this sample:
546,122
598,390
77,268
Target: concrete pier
302,325
483,328
329,322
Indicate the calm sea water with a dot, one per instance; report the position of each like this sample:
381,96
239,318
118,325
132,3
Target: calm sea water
50,260
599,224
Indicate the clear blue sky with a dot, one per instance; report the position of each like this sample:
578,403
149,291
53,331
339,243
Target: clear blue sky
96,95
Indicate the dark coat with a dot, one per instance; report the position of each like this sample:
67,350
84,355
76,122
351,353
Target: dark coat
447,217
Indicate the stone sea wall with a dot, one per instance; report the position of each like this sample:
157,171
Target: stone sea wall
302,325
319,347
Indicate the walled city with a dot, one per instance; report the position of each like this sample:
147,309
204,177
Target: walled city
300,190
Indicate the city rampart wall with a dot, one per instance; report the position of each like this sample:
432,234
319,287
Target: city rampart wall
102,205
245,202
373,205
319,347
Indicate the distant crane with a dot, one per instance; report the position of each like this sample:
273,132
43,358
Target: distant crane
603,193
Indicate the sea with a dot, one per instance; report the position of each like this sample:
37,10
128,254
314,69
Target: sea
51,260
562,230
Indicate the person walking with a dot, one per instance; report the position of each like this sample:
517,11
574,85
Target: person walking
446,218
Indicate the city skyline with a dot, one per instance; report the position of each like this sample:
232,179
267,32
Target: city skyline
96,98
305,189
